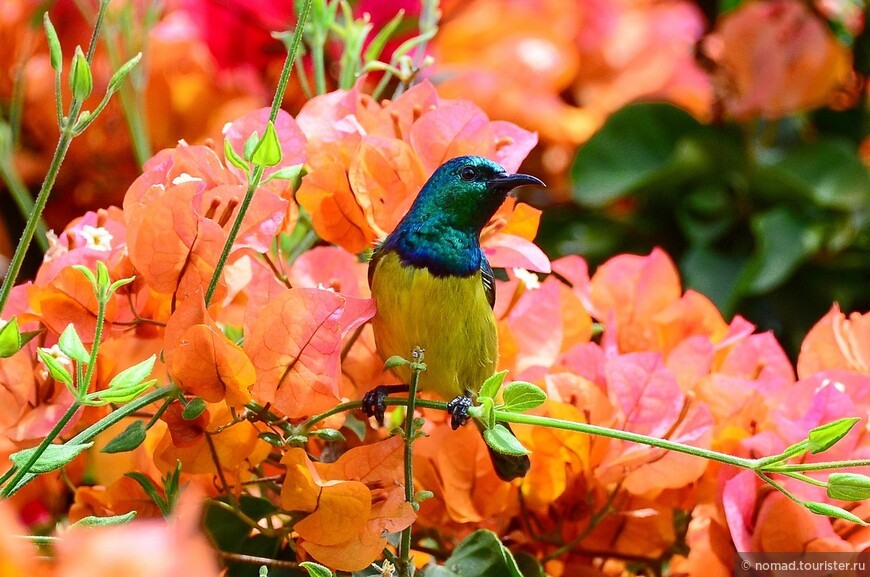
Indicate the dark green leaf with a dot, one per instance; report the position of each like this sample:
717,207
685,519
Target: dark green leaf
634,147
848,486
520,396
151,490
54,457
227,529
273,439
329,435
193,409
826,436
833,511
128,439
831,172
783,242
92,521
529,565
481,554
500,439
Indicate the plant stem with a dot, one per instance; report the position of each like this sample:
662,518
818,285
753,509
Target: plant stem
804,467
520,418
257,176
103,424
9,488
21,195
405,565
63,143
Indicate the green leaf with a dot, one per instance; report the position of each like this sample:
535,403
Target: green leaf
315,570
503,441
830,172
228,531
357,426
396,361
481,554
636,145
103,279
286,173
10,339
273,439
250,145
151,490
193,409
833,511
134,375
784,241
520,396
126,394
53,44
491,385
88,274
119,283
848,486
71,345
268,150
826,436
529,565
54,457
92,521
329,435
80,80
376,46
57,371
128,439
233,157
122,72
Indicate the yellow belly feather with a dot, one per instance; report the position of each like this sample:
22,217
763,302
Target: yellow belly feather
448,317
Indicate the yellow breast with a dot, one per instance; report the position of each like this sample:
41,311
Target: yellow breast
448,317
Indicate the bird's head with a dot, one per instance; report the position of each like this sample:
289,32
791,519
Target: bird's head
466,191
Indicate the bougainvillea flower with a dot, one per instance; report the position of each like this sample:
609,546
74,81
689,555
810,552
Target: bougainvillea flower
295,345
351,504
776,58
202,360
367,161
836,342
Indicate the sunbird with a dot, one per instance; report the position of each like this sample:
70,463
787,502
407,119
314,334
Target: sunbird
435,289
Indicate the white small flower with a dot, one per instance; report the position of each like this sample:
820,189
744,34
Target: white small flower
54,351
184,177
55,249
529,279
97,238
323,287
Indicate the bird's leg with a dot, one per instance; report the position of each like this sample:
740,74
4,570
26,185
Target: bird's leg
374,402
458,409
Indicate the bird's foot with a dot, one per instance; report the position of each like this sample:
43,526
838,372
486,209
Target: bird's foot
458,409
374,402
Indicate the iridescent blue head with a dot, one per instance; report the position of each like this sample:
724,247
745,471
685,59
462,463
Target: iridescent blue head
442,229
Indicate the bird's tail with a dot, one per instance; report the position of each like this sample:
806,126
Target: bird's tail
508,467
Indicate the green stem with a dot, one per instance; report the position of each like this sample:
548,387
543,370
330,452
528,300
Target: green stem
307,424
103,424
319,66
102,296
520,418
792,451
63,143
806,479
23,200
254,182
804,467
405,565
8,489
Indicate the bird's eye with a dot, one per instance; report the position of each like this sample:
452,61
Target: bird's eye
468,173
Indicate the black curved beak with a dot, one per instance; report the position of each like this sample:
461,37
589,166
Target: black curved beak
505,182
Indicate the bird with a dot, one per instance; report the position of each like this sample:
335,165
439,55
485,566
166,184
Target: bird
435,290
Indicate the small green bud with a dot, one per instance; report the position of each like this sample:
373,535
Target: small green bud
122,72
80,79
268,150
54,49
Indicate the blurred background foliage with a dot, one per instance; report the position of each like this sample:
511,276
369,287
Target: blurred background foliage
732,133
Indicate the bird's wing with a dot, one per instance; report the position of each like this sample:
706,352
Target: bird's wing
488,278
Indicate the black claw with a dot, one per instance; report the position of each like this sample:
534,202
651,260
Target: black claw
458,409
374,402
